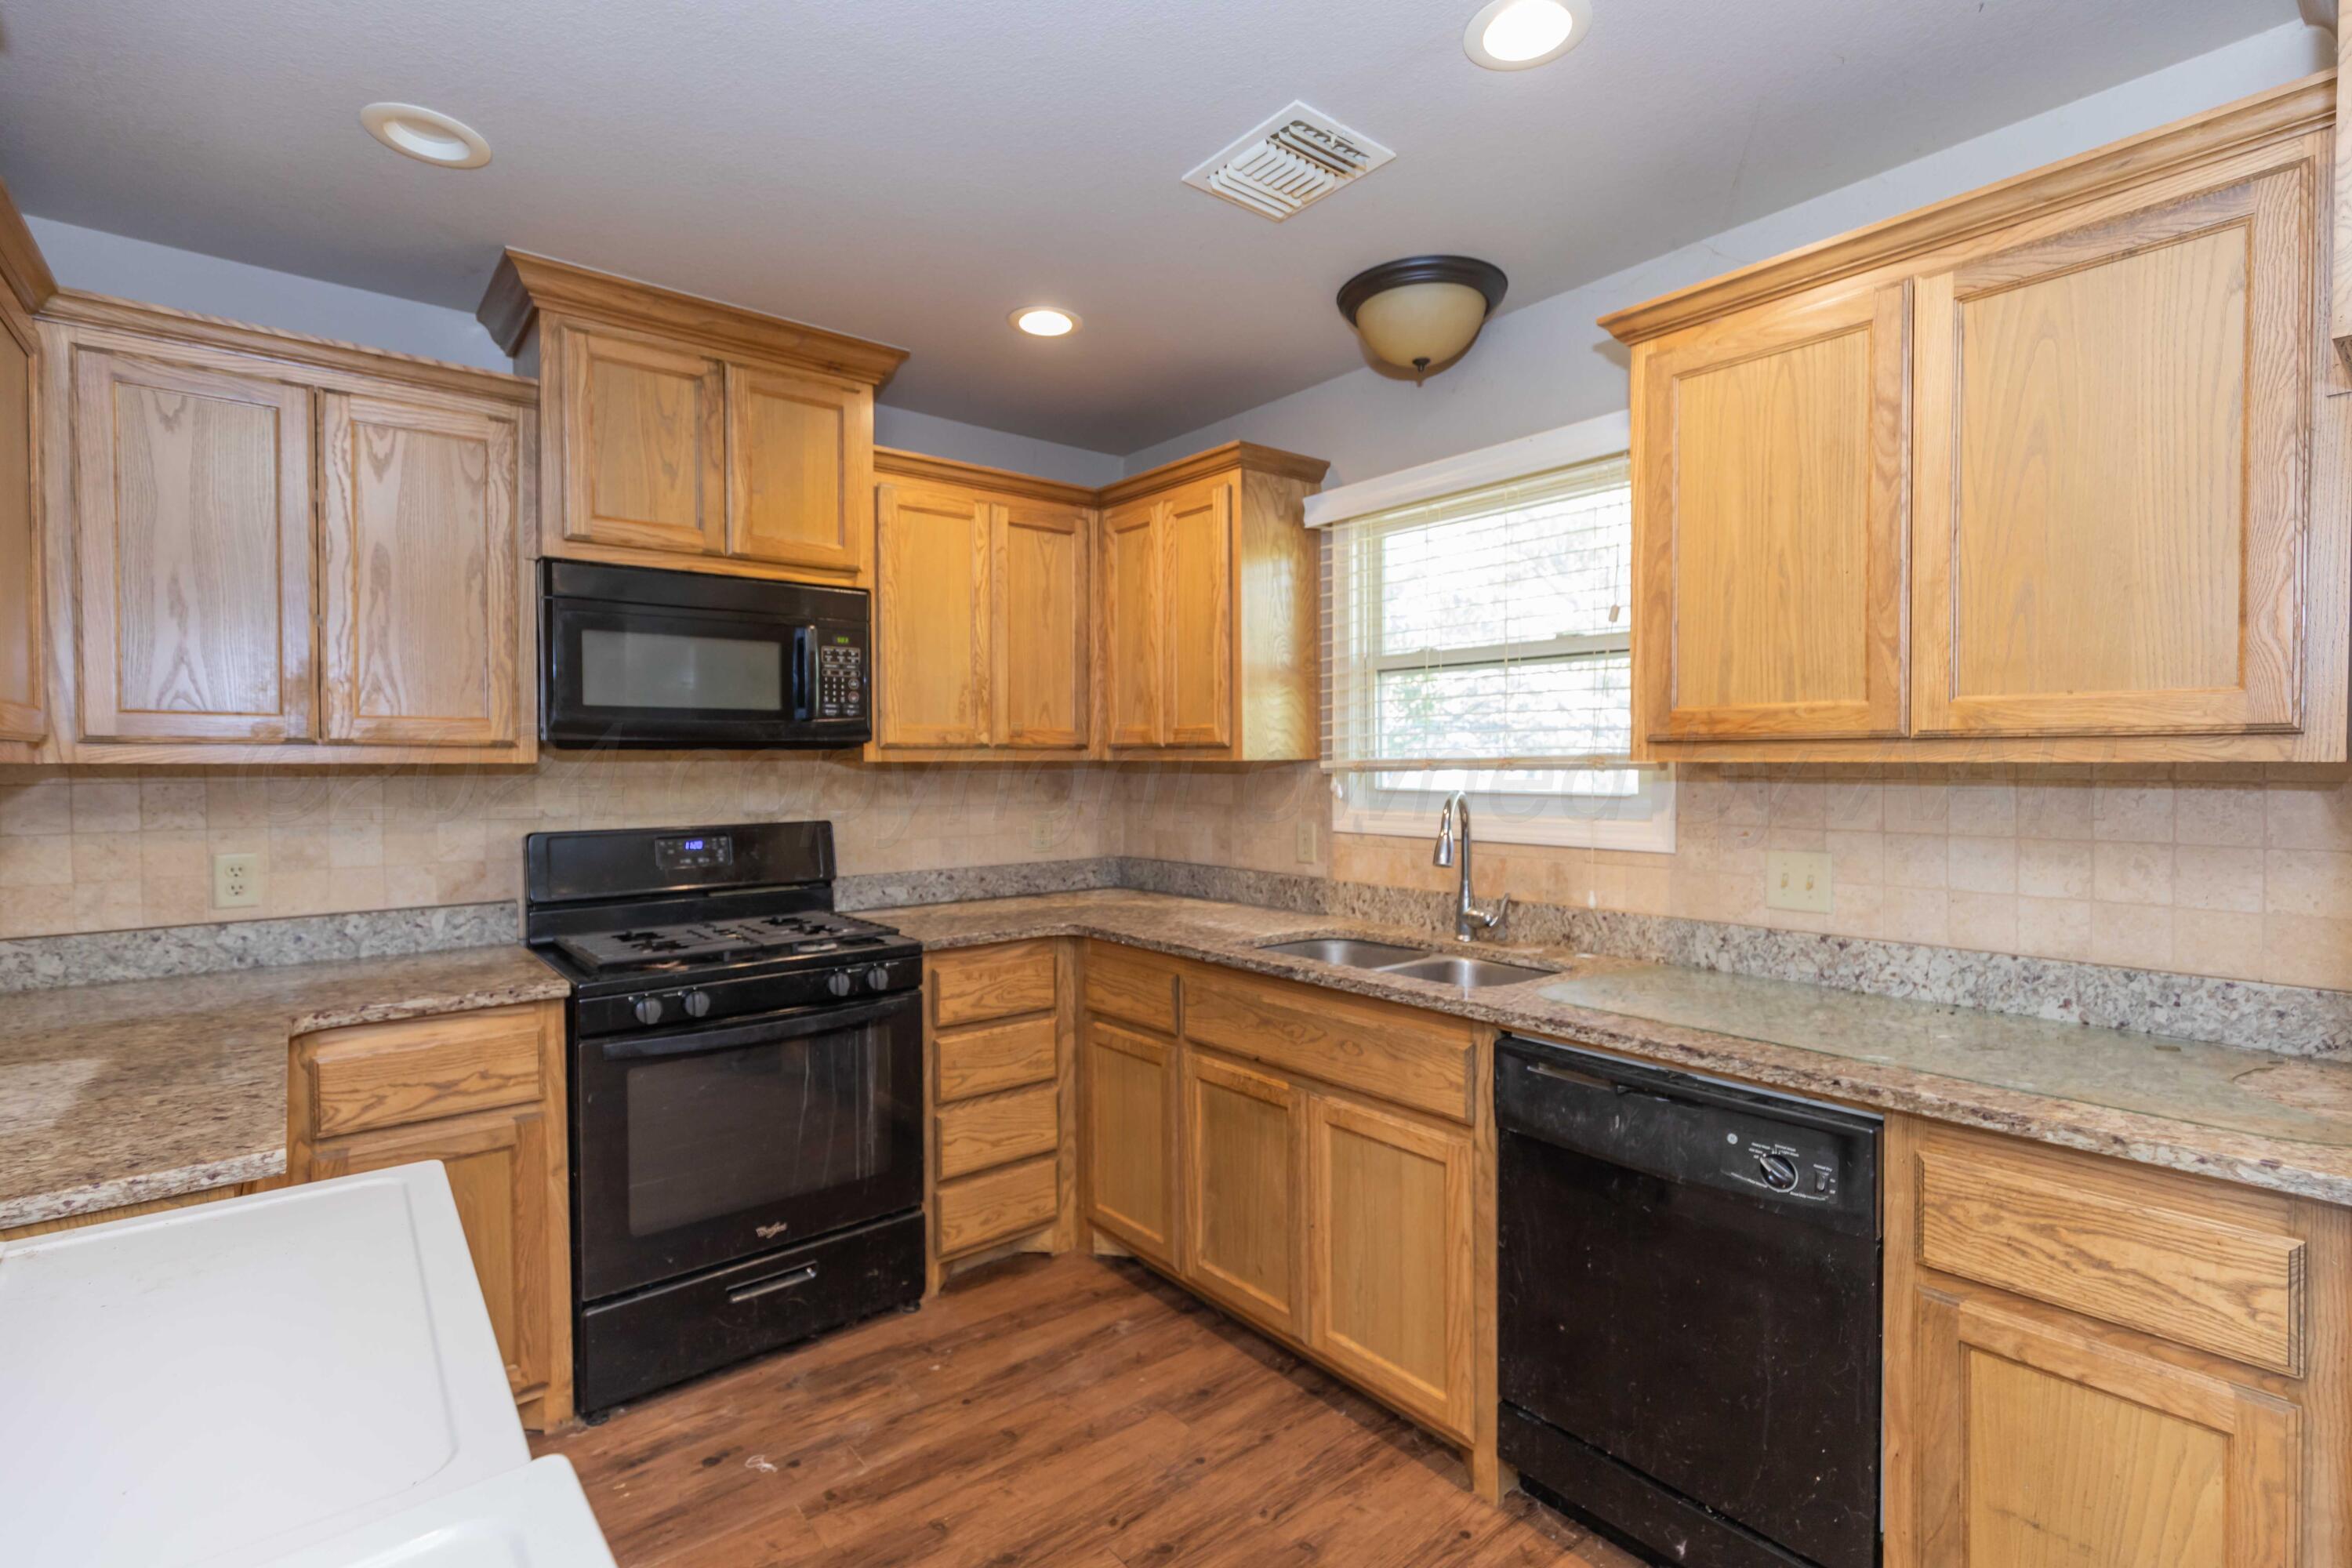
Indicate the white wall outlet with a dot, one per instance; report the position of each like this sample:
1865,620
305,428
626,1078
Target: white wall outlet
237,881
1042,836
1306,842
1796,880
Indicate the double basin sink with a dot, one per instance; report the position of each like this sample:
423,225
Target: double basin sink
1408,962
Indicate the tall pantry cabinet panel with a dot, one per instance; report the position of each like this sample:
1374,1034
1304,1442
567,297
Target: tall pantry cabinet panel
25,287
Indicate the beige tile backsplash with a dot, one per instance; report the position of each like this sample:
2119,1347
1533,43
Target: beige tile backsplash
2238,872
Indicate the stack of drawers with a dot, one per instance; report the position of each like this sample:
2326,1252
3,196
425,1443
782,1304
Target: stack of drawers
998,1067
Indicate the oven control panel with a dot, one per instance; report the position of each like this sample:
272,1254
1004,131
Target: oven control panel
694,852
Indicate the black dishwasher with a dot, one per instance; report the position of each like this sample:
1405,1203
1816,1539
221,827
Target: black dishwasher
1689,1309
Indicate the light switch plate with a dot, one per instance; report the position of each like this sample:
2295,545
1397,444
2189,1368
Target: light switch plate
1306,842
1796,879
237,881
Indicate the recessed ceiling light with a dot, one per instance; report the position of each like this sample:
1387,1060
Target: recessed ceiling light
1045,321
1512,34
425,134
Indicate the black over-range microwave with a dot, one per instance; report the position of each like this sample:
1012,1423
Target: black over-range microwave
633,657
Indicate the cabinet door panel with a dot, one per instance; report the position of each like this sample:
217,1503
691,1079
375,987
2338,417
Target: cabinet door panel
1199,528
418,555
800,462
193,526
2113,479
1134,629
1041,627
1769,523
2041,1447
1391,1285
23,714
644,459
933,577
499,1172
1244,1181
1130,1142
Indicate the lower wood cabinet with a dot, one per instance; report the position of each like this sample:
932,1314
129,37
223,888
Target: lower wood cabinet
1000,1072
483,1093
1129,1136
1245,1190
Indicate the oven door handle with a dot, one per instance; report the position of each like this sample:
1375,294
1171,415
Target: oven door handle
772,1029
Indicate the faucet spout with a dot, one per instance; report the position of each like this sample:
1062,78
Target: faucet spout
1453,826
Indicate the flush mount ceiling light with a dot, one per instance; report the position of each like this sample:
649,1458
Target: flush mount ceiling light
1423,311
1045,321
426,135
1513,34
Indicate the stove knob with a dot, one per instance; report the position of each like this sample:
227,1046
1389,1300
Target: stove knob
877,979
697,1004
1778,1171
839,983
648,1010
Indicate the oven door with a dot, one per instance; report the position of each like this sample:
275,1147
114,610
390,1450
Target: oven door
628,675
697,1146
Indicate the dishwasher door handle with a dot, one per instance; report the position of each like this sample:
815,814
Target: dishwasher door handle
1581,1079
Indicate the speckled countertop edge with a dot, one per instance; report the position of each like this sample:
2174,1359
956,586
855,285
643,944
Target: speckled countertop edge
217,1104
1229,934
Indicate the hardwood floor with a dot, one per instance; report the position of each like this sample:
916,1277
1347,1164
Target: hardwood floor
1044,1412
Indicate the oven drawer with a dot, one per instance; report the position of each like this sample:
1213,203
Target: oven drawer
660,1336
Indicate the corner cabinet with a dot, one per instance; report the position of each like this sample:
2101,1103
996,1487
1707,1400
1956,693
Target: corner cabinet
688,434
2048,473
263,548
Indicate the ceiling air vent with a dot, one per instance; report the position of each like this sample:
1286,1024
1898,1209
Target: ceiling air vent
1301,156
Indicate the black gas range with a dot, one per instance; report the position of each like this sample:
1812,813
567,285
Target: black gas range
746,1097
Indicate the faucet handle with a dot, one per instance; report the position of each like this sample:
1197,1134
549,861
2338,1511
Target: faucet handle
1494,917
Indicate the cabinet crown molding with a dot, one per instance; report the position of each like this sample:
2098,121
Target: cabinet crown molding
74,308
2276,115
1247,455
524,285
28,275
891,463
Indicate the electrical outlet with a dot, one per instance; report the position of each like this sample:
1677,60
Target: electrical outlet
1795,879
1306,842
237,881
1041,833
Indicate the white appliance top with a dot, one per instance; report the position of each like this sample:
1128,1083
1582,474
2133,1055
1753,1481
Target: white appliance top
536,1517
221,1384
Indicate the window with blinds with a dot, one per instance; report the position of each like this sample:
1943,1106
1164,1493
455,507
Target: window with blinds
1482,641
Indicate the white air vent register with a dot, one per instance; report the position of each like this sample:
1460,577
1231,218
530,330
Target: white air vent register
1301,156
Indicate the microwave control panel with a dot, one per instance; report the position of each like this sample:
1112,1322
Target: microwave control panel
840,678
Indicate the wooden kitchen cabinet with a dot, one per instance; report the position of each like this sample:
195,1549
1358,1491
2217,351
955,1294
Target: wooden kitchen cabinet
24,286
1209,609
1001,1078
980,580
1244,1180
2090,1363
269,548
483,1093
1130,1135
688,434
2048,473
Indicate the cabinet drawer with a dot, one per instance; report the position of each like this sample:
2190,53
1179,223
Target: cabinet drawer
2214,1279
981,1134
992,982
1121,984
385,1075
1415,1059
980,1209
1001,1056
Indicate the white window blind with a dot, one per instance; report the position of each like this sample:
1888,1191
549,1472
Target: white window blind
1485,630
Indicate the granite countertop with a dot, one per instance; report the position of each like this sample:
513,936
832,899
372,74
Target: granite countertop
2280,1122
121,1094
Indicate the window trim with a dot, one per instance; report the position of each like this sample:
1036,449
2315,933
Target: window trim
1358,805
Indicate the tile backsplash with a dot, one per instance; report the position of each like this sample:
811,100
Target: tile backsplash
2238,872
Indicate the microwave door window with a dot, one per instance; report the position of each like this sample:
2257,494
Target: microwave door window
664,671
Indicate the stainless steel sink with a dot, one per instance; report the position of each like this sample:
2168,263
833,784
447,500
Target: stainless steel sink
1348,951
1465,973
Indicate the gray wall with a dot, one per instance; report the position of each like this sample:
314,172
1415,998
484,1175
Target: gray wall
1547,365
184,280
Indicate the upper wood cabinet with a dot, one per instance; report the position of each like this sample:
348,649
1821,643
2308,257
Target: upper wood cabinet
25,287
1209,609
685,433
267,548
981,611
2054,471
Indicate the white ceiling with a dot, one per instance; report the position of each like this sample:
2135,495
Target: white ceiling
910,170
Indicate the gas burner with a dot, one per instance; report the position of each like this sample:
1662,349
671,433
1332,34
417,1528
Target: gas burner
672,947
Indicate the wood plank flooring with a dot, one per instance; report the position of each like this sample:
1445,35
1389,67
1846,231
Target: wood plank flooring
1039,1412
